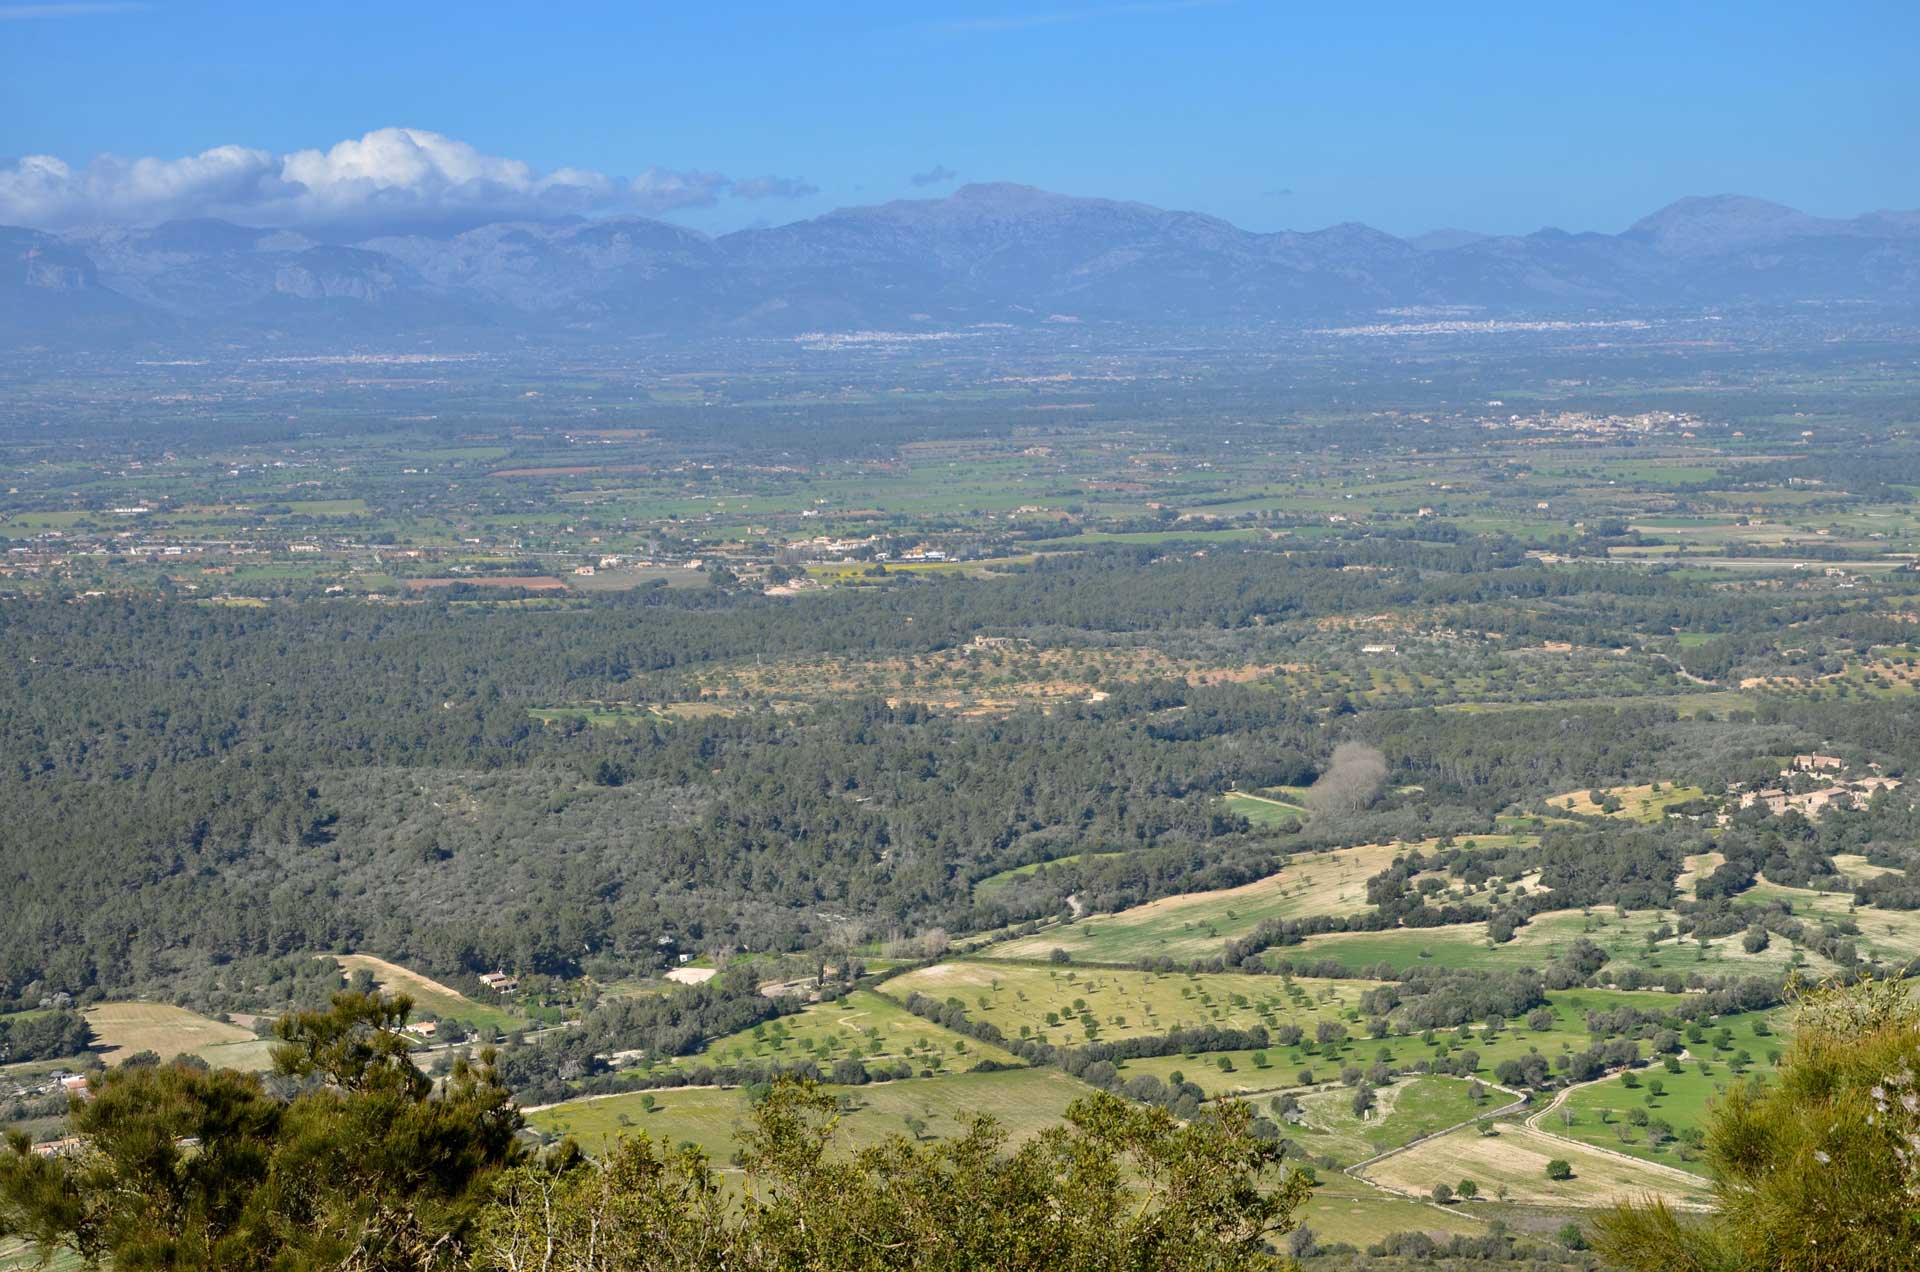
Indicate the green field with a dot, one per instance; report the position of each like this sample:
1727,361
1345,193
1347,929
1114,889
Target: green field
1549,934
1642,803
1407,1109
1197,924
1346,1210
1024,1101
994,883
1117,1003
862,1026
1264,810
1602,1113
1248,1076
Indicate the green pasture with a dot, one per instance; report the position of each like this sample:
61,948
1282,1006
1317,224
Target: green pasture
1023,1101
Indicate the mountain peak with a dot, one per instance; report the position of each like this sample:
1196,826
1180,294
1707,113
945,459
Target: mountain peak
1706,224
1445,239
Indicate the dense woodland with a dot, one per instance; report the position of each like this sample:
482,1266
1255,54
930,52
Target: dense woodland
190,787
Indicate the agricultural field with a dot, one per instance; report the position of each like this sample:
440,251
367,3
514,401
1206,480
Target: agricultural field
1223,1074
1405,1110
1024,1101
862,1026
1885,936
998,882
1511,1165
1628,940
122,1029
1067,1005
1343,1209
1665,1105
1265,808
429,996
771,668
1647,802
1197,924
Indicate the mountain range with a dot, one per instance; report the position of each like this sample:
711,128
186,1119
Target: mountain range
985,254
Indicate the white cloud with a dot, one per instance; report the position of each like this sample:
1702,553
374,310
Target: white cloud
390,178
658,190
774,188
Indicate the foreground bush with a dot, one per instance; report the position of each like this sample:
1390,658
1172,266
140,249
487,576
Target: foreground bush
364,1166
351,1159
1819,1170
1117,1187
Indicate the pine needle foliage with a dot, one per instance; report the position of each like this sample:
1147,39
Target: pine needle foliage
1818,1170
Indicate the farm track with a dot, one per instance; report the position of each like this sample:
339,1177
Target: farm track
1673,1173
1519,1101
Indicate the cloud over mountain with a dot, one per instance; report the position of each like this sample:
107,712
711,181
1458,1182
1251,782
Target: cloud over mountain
939,174
391,177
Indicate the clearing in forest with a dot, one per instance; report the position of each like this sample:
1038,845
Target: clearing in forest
1198,924
1265,810
1647,802
429,996
1856,867
1698,867
122,1029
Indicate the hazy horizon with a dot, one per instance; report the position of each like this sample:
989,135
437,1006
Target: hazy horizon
1409,122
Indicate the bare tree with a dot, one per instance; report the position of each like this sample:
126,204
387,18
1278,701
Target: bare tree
1351,782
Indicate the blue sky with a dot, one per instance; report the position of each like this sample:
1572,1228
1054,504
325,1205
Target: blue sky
1498,117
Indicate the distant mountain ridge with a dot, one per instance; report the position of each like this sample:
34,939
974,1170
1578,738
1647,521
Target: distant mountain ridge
986,253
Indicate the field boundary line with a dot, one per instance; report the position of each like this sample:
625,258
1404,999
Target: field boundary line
1520,1100
1533,1124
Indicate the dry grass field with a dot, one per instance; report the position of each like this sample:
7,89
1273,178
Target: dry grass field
1198,924
121,1029
1024,1101
1516,1160
428,995
1698,867
1638,803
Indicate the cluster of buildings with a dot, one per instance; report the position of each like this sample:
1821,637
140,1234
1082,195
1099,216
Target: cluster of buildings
1811,803
1585,425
